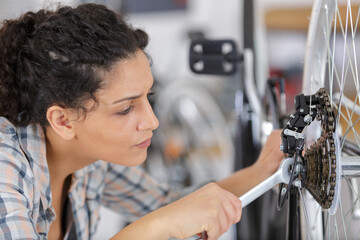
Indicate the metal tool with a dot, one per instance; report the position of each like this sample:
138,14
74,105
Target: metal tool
282,175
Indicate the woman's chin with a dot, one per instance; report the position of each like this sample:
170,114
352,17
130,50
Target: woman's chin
131,161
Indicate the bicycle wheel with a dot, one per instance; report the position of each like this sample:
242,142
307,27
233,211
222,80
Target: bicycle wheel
332,62
195,144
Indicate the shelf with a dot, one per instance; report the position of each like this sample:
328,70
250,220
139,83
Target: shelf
299,18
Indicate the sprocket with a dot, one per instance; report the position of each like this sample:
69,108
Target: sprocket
320,158
319,164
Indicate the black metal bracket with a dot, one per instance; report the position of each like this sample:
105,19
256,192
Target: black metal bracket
217,57
292,137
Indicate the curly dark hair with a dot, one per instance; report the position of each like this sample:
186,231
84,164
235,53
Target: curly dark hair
55,57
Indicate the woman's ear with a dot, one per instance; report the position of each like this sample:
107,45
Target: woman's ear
60,121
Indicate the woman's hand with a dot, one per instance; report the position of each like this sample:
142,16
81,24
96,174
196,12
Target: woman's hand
210,208
271,155
268,162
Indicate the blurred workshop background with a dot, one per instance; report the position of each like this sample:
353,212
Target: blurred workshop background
197,140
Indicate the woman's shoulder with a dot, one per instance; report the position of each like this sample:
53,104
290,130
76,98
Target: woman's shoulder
6,127
15,170
18,147
9,141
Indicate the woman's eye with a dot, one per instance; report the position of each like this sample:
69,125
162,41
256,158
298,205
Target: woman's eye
151,93
126,111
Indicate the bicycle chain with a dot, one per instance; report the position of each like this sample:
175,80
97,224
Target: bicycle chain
320,158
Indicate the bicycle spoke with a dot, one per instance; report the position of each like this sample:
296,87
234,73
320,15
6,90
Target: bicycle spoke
329,223
354,202
349,211
336,229
350,124
348,121
305,213
347,131
349,64
343,220
343,63
343,217
331,54
349,184
356,79
354,72
356,135
347,215
357,18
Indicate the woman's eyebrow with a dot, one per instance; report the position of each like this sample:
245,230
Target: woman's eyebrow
132,97
127,98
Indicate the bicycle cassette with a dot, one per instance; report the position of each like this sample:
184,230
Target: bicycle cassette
321,161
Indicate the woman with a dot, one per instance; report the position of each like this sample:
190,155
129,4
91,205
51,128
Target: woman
73,89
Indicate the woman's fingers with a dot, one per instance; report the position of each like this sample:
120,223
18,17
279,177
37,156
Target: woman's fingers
229,213
232,208
237,208
270,155
210,209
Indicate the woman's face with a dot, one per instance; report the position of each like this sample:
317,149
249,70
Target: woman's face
120,128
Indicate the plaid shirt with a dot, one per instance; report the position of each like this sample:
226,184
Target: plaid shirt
25,196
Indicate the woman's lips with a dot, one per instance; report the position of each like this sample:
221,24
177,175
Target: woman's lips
144,144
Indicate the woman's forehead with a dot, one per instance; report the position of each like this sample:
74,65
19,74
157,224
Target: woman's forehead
127,77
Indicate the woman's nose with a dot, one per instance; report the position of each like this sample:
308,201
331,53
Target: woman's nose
149,121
